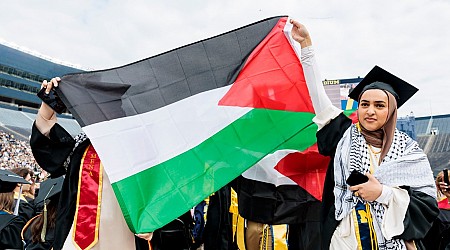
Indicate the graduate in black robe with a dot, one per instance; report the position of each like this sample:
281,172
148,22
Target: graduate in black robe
57,152
439,235
10,225
370,148
27,208
39,232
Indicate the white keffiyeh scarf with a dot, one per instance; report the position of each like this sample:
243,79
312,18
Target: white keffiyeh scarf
404,165
81,137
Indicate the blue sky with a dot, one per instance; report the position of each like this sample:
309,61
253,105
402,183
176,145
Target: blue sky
409,38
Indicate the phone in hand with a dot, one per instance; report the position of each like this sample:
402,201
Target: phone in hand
52,99
446,177
356,178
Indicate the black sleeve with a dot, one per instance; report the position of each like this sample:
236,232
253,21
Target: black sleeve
327,139
50,153
329,136
421,213
431,240
10,237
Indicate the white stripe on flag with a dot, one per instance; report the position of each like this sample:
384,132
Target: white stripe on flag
265,171
132,144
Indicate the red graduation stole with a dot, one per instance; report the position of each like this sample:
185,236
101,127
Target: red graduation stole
443,204
87,214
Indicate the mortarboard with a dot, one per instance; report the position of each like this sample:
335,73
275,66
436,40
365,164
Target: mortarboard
48,189
9,180
379,78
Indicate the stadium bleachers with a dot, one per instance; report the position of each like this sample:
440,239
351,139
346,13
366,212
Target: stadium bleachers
442,122
21,122
14,118
437,148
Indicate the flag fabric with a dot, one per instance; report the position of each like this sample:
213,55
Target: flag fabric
174,128
284,187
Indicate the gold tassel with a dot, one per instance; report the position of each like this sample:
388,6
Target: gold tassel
44,226
44,212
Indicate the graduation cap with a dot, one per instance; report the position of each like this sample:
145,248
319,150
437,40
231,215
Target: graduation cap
9,180
48,189
379,78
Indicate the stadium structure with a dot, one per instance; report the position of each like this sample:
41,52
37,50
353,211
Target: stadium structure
21,74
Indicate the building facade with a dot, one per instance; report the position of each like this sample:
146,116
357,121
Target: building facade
21,75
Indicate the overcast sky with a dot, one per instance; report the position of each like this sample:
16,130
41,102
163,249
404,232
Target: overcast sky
410,38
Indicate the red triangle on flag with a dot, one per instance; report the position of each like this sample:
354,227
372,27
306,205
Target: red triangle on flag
307,168
272,77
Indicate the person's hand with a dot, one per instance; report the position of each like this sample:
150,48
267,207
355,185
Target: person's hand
369,190
145,236
444,188
50,84
45,111
300,34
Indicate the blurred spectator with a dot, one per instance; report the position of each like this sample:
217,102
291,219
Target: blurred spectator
27,189
26,207
439,235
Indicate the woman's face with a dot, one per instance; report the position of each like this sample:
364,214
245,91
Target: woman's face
373,109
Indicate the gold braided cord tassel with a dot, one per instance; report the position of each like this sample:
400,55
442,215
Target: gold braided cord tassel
44,226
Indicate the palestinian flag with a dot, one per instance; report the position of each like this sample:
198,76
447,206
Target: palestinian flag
174,128
284,187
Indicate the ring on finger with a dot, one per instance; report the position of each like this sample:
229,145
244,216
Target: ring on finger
356,194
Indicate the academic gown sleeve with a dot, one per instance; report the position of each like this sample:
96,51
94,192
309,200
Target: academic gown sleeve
422,212
327,139
332,124
51,152
10,229
330,135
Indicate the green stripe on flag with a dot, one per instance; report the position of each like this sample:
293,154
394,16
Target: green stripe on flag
349,112
156,196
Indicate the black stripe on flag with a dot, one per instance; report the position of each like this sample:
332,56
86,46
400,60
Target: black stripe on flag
163,79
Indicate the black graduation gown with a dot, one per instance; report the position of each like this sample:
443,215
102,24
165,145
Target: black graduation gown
176,235
26,209
218,232
423,208
439,235
51,153
30,245
285,204
10,228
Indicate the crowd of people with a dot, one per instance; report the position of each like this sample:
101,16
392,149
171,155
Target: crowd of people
15,153
379,191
